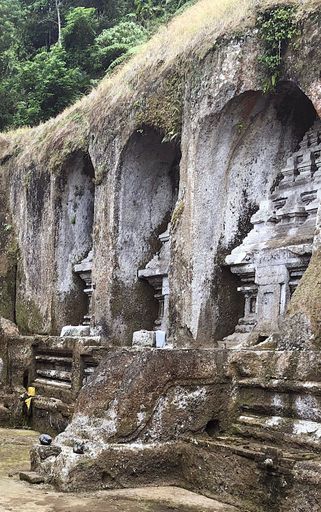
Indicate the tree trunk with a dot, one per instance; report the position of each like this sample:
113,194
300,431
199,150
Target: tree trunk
58,4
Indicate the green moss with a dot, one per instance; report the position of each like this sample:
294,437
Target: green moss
7,294
162,109
68,147
100,173
177,213
27,179
307,297
28,317
8,262
50,144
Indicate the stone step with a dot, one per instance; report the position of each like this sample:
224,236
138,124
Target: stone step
257,450
51,383
55,375
31,477
282,405
301,406
248,472
281,385
280,430
49,358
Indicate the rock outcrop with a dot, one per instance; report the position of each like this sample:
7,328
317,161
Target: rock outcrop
178,207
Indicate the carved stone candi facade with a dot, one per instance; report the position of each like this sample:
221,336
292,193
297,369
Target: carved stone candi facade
274,255
160,263
84,270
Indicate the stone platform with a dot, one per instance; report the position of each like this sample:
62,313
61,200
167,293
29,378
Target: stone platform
239,425
14,457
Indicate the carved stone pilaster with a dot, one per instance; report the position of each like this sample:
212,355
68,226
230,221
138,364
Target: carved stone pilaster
84,270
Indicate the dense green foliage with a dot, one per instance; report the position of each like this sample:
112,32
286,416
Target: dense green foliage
277,27
53,51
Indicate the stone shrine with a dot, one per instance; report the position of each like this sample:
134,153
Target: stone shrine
275,254
84,270
156,274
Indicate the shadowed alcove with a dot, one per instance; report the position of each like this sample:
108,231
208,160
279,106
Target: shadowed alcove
75,203
147,187
239,154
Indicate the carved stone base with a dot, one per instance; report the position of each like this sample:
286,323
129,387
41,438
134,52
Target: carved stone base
75,331
144,339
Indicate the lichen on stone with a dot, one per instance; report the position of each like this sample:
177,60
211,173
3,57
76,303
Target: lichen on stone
28,317
162,108
306,299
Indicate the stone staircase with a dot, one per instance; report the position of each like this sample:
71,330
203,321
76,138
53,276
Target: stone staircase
280,411
269,459
56,367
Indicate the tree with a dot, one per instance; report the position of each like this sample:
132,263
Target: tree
58,6
79,35
42,23
149,11
11,29
46,86
110,11
52,51
117,41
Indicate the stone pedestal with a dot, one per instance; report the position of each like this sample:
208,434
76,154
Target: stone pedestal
156,274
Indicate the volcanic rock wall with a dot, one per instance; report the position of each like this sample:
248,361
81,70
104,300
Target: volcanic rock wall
171,415
233,144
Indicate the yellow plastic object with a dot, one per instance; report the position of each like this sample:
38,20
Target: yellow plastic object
31,391
28,403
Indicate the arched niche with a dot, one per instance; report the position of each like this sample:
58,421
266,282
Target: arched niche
271,260
234,160
74,210
147,188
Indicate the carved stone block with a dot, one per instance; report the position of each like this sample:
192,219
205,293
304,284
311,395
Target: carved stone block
144,339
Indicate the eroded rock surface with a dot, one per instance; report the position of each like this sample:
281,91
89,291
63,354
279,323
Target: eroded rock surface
14,446
177,235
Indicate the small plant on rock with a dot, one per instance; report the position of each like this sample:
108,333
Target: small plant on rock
277,26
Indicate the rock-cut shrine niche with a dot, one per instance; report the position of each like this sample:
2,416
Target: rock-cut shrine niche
275,254
75,255
148,188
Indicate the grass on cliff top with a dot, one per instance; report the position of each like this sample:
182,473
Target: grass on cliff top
187,37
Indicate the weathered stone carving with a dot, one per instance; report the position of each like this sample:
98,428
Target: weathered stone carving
57,367
275,254
53,368
84,270
135,415
156,273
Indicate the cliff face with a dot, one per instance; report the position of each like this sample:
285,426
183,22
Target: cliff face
111,172
197,188
8,265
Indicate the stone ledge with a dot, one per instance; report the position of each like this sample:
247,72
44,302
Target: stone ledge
32,477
